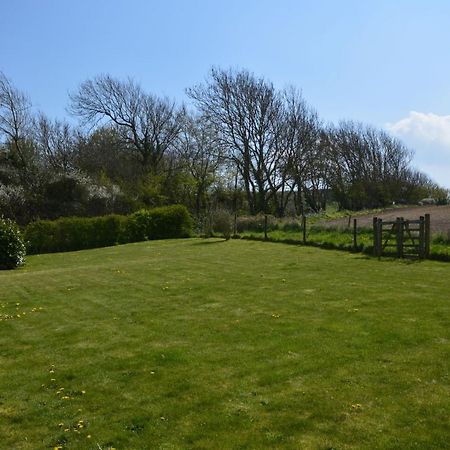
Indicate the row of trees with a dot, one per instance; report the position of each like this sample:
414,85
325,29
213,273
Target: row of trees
242,145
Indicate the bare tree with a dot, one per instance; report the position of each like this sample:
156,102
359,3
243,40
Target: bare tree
56,143
304,156
368,166
245,111
201,154
15,120
147,124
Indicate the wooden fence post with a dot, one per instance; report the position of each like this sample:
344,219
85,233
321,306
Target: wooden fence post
399,230
304,229
422,237
427,235
355,241
265,227
375,236
380,237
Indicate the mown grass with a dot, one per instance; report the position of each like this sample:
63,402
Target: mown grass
207,344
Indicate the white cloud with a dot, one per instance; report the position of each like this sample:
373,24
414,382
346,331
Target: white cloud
428,134
427,127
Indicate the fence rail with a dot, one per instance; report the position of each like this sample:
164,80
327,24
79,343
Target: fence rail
407,240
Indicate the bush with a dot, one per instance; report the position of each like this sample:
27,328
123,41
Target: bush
41,236
136,226
12,247
222,223
78,233
74,233
159,223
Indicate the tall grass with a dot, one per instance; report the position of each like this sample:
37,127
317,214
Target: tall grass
332,237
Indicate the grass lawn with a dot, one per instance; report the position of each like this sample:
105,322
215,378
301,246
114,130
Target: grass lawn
205,344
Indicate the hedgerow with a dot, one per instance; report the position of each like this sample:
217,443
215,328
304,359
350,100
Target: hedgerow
77,233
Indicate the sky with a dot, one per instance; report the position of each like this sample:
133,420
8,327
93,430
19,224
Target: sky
382,62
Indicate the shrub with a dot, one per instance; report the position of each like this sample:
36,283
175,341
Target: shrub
170,222
222,223
74,233
12,247
77,233
159,223
41,236
136,226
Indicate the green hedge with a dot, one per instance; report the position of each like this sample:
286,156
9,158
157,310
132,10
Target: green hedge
159,223
77,233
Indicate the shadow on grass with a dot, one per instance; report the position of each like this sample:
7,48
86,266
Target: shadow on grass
390,259
207,241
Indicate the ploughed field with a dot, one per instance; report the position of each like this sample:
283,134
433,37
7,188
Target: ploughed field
440,217
207,344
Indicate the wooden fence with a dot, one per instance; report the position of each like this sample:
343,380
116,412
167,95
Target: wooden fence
404,238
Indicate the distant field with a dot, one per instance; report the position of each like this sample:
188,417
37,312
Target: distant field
440,217
207,344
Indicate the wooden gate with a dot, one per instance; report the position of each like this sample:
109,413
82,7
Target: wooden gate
403,238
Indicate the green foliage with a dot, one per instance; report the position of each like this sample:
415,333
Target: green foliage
74,233
159,223
136,226
41,236
12,247
222,223
78,233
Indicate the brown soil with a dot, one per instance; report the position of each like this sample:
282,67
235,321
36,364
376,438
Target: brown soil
439,216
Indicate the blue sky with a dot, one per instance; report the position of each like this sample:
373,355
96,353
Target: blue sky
382,62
